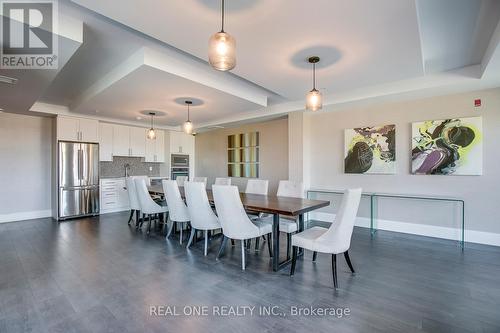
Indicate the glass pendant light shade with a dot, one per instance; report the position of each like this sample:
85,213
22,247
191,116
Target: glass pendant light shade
222,51
151,134
188,127
314,100
222,48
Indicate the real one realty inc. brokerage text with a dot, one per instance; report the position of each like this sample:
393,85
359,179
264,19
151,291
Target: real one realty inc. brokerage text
246,310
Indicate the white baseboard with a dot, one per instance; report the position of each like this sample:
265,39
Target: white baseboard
21,216
471,236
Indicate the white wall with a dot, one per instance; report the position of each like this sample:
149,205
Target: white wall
325,147
25,166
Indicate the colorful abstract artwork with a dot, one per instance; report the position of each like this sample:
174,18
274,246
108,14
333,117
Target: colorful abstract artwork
447,147
370,150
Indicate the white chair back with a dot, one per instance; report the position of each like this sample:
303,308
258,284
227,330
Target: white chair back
200,180
146,179
222,181
338,236
181,180
132,194
201,214
146,203
257,186
288,188
176,206
232,216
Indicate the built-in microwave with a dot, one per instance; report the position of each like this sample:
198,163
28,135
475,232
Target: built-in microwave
179,161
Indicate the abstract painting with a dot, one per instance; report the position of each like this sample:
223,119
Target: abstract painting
370,150
447,147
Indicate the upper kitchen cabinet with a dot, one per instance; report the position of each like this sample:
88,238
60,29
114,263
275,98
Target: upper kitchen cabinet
155,149
105,142
129,141
77,129
181,143
137,142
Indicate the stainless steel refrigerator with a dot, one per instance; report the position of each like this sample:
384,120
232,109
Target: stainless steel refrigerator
78,181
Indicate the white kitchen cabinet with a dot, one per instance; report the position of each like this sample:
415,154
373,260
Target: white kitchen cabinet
89,130
137,142
77,129
121,140
155,149
114,195
129,141
105,142
181,143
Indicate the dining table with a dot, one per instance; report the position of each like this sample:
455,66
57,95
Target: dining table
268,204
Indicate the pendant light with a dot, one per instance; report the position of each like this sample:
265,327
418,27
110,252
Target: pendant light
188,125
314,100
222,49
151,132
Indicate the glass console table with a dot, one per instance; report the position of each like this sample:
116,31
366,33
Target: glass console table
374,195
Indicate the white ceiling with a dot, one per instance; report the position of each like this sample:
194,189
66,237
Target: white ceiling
136,57
147,88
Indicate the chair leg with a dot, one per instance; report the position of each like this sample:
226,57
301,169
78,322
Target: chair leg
294,260
334,270
170,229
288,244
222,247
269,245
206,243
257,241
193,231
131,216
315,254
149,224
137,218
180,236
242,255
248,243
348,260
232,242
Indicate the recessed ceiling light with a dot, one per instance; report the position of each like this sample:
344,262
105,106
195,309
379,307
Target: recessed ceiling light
138,118
8,80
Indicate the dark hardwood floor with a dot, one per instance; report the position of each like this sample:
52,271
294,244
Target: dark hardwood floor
99,275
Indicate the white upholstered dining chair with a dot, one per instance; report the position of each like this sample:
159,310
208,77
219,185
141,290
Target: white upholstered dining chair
334,240
289,224
257,186
133,201
181,180
234,220
200,212
222,181
147,205
200,180
178,212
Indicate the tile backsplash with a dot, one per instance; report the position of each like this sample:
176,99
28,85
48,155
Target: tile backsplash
137,167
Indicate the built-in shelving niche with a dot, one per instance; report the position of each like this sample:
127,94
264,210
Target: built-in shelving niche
243,155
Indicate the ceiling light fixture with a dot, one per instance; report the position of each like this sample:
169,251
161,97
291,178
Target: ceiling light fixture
222,48
8,80
188,125
314,100
151,131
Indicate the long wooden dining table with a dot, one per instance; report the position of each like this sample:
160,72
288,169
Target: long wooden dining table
270,204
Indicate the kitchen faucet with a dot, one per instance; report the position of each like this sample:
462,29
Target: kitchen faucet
127,169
